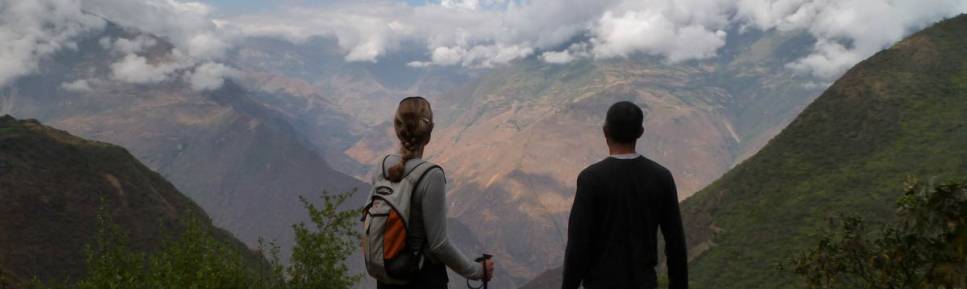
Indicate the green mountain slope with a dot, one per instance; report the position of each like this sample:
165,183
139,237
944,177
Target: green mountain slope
52,185
902,112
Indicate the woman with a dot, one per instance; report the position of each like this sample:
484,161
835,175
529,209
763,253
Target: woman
428,222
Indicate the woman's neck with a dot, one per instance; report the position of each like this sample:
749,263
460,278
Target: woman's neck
418,154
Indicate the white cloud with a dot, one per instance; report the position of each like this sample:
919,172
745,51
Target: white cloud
557,57
675,29
32,30
470,33
574,52
209,76
133,68
461,4
128,46
80,85
368,30
847,31
186,24
653,33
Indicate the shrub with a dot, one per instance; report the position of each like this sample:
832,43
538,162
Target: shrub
926,247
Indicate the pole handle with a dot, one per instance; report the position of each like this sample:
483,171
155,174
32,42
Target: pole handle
482,260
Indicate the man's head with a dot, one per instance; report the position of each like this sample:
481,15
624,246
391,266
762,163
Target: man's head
623,125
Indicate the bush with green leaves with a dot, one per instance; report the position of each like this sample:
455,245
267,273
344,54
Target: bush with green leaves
926,246
320,250
195,259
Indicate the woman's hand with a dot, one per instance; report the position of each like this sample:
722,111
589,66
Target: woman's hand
488,269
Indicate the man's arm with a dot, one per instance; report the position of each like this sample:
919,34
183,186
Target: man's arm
579,230
674,235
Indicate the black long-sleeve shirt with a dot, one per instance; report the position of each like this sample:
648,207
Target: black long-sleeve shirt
618,209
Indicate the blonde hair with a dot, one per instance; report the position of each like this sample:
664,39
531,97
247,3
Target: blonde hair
413,124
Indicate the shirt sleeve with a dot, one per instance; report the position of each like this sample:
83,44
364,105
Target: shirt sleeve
674,234
435,221
579,231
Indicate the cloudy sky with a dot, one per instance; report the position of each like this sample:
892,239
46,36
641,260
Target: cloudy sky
466,33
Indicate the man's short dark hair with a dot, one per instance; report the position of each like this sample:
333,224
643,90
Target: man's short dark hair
623,123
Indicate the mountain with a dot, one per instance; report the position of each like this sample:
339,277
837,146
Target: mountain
901,113
52,186
514,140
238,159
330,101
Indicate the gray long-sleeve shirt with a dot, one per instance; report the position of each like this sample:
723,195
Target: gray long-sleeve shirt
431,193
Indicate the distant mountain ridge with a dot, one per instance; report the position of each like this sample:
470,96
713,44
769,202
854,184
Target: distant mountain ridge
52,186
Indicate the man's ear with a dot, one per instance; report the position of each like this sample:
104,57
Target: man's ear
604,129
641,131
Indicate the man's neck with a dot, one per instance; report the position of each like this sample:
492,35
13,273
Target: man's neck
622,150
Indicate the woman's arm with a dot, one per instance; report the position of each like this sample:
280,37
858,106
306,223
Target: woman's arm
435,220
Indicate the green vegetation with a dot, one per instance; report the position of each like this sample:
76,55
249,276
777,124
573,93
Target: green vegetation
901,113
925,248
317,258
195,259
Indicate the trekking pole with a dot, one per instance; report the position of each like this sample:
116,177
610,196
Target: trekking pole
483,262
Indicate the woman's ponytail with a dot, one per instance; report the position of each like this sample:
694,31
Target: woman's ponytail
413,124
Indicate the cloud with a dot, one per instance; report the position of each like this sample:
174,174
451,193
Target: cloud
187,25
133,68
479,36
32,30
468,33
80,85
653,33
576,51
209,76
461,4
847,31
128,46
485,33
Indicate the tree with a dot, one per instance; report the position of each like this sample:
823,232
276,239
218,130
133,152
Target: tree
926,246
318,258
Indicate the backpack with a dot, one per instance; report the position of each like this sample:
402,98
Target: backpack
391,251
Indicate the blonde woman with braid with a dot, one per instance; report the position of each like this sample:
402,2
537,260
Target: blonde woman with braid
426,228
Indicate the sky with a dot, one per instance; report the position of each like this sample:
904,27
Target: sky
470,34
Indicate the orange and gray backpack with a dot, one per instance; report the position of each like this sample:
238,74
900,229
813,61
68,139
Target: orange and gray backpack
392,252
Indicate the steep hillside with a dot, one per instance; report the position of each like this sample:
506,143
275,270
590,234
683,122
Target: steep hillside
52,185
240,161
901,113
514,141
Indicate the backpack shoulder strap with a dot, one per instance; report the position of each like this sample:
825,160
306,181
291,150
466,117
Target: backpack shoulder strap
382,167
416,175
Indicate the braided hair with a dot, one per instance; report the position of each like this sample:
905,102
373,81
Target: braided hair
413,124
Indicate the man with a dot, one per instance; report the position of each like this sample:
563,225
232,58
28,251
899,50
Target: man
620,204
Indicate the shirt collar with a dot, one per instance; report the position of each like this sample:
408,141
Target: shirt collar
626,156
